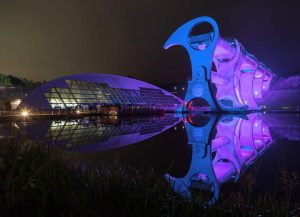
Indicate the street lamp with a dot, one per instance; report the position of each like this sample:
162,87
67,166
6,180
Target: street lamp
24,113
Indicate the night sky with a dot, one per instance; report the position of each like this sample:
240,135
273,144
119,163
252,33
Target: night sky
43,39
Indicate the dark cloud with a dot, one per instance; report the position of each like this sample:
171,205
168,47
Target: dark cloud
42,39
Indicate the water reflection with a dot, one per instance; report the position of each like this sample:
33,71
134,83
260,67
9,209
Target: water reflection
98,133
222,147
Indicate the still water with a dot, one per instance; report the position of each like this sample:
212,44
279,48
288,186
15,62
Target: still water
191,151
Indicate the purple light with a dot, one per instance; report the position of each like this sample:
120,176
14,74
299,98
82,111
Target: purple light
237,144
239,77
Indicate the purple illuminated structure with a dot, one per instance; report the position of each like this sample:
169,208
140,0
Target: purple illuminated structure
225,77
238,76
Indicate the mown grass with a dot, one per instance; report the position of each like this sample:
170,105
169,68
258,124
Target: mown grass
36,180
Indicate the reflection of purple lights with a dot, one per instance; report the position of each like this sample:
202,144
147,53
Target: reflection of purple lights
237,145
224,147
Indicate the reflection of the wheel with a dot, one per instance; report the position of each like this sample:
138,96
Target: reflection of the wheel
222,147
198,120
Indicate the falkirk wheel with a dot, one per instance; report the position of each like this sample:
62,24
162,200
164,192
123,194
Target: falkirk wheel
225,77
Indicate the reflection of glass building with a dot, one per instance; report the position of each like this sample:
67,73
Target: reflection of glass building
97,133
93,91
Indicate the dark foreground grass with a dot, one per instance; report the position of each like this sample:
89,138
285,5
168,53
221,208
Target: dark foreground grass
39,181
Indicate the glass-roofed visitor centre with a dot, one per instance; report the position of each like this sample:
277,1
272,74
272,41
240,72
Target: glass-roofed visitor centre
104,93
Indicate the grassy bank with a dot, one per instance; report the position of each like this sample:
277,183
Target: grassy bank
39,181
